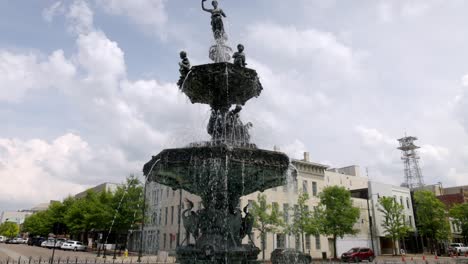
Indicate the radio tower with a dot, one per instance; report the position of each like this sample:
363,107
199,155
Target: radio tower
410,157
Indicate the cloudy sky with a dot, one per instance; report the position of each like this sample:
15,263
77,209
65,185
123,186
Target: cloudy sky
87,88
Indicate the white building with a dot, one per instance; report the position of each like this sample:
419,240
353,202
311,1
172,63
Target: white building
14,216
401,195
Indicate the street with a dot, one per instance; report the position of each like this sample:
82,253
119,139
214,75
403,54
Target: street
24,251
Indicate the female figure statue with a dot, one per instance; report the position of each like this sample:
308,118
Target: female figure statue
217,15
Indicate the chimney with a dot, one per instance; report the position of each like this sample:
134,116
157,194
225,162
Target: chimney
306,156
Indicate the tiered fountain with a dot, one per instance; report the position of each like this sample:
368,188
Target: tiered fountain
222,170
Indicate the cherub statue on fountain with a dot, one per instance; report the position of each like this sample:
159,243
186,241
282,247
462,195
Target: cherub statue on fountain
184,68
239,56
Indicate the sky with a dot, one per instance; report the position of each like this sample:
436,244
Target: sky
88,87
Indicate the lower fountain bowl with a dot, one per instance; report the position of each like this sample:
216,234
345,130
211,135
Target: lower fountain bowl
238,170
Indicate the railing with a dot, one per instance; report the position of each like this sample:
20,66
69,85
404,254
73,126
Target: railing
71,260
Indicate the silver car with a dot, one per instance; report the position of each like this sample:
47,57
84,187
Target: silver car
73,245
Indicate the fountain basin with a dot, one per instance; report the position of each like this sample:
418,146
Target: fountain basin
221,85
205,170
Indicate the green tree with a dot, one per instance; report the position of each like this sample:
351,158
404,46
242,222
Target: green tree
127,202
393,222
268,218
432,217
459,213
37,224
337,213
9,229
304,221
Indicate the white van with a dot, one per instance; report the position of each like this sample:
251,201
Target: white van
2,239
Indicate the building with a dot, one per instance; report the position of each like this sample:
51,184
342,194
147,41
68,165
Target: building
107,186
164,229
15,216
402,195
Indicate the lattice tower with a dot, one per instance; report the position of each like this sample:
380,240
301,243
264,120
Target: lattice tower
410,157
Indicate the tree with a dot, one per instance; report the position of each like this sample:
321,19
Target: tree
393,222
304,221
37,224
9,229
127,202
337,214
432,217
267,218
459,213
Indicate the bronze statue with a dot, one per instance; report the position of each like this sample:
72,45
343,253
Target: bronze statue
217,15
239,56
184,68
191,221
247,224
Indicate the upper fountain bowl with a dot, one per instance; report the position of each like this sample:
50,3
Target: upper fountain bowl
221,85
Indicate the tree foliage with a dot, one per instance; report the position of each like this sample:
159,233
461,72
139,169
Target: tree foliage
432,217
268,218
337,213
9,229
459,213
393,222
94,212
305,221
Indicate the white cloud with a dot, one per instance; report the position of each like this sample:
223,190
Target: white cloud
80,17
55,9
150,14
465,80
22,73
375,138
35,170
307,45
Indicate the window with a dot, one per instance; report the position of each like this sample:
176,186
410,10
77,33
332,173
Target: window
401,201
160,213
171,238
157,238
286,212
304,187
172,215
280,240
164,238
298,242
410,220
307,242
407,202
167,191
317,242
314,188
165,217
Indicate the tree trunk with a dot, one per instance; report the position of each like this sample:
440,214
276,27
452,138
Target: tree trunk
303,246
395,250
263,244
334,247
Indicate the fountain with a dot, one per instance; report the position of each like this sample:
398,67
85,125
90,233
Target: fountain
225,168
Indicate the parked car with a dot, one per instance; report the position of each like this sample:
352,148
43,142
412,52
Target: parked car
457,248
358,254
73,245
52,242
289,255
36,241
17,240
2,239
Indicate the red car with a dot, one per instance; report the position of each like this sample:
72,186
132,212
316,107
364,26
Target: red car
358,254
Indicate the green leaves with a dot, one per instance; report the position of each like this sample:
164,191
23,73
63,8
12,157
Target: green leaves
9,229
337,213
459,213
95,211
431,216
